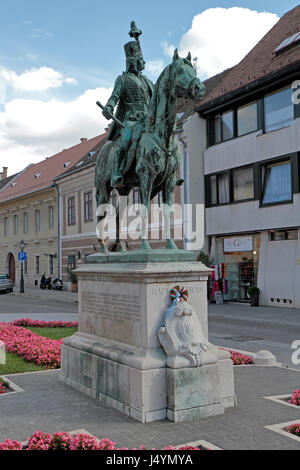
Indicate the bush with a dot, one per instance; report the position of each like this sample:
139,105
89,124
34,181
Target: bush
253,290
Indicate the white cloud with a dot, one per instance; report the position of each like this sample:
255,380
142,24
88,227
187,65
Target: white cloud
221,37
36,79
153,68
32,129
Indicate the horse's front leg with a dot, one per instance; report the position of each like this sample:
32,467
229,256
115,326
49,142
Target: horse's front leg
146,188
167,202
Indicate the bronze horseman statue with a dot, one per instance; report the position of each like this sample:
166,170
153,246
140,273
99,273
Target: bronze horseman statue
142,147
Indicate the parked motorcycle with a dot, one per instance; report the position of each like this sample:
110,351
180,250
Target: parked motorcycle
45,282
57,284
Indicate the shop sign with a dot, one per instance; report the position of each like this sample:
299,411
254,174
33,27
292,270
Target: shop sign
238,244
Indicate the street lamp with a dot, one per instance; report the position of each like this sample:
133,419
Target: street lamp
22,246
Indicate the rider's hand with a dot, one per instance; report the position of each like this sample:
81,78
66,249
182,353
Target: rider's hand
107,112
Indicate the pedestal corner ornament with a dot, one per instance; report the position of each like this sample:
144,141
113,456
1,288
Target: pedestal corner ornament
181,335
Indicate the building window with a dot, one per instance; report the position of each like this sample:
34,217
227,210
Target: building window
51,257
227,125
217,129
51,217
25,222
37,221
5,226
247,119
113,203
213,190
223,188
278,235
16,223
276,182
243,185
25,267
71,211
37,264
88,206
136,196
279,109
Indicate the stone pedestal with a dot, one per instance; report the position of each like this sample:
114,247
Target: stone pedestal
115,356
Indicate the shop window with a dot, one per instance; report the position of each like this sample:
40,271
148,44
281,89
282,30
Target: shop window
279,109
243,186
276,182
247,119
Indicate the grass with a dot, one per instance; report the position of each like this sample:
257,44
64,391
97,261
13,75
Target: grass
15,364
53,333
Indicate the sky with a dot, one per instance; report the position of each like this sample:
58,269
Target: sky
58,57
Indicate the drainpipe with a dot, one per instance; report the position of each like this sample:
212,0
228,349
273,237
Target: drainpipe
185,171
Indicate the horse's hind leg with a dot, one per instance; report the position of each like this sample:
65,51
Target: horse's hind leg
168,191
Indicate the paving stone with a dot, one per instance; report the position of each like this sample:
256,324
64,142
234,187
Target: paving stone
49,405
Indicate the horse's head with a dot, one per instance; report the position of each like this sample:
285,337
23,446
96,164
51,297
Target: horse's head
184,78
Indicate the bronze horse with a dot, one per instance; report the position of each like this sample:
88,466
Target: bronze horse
158,152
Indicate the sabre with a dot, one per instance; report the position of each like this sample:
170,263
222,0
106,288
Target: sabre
111,115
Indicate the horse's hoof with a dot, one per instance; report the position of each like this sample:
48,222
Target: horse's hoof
121,246
102,248
171,245
145,245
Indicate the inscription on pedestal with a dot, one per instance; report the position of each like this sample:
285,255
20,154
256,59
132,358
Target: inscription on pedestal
115,307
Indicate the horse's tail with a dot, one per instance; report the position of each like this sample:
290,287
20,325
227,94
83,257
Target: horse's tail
102,172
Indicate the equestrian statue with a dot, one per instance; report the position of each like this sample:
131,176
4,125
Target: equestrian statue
142,147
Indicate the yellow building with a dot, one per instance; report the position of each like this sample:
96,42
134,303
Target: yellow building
29,211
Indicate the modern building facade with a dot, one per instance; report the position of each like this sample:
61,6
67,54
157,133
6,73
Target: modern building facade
245,144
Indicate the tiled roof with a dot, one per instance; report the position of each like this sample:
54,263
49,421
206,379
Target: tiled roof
260,62
4,182
87,160
41,175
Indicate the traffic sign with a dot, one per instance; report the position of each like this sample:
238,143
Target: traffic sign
22,256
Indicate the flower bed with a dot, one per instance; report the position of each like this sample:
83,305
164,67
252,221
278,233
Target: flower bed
295,398
65,441
294,429
31,346
3,386
41,323
239,358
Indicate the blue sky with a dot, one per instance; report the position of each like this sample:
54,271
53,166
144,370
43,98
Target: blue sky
73,50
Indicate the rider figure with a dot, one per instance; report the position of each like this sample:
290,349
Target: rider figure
132,92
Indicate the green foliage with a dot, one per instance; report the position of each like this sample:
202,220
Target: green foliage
204,258
253,290
73,277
